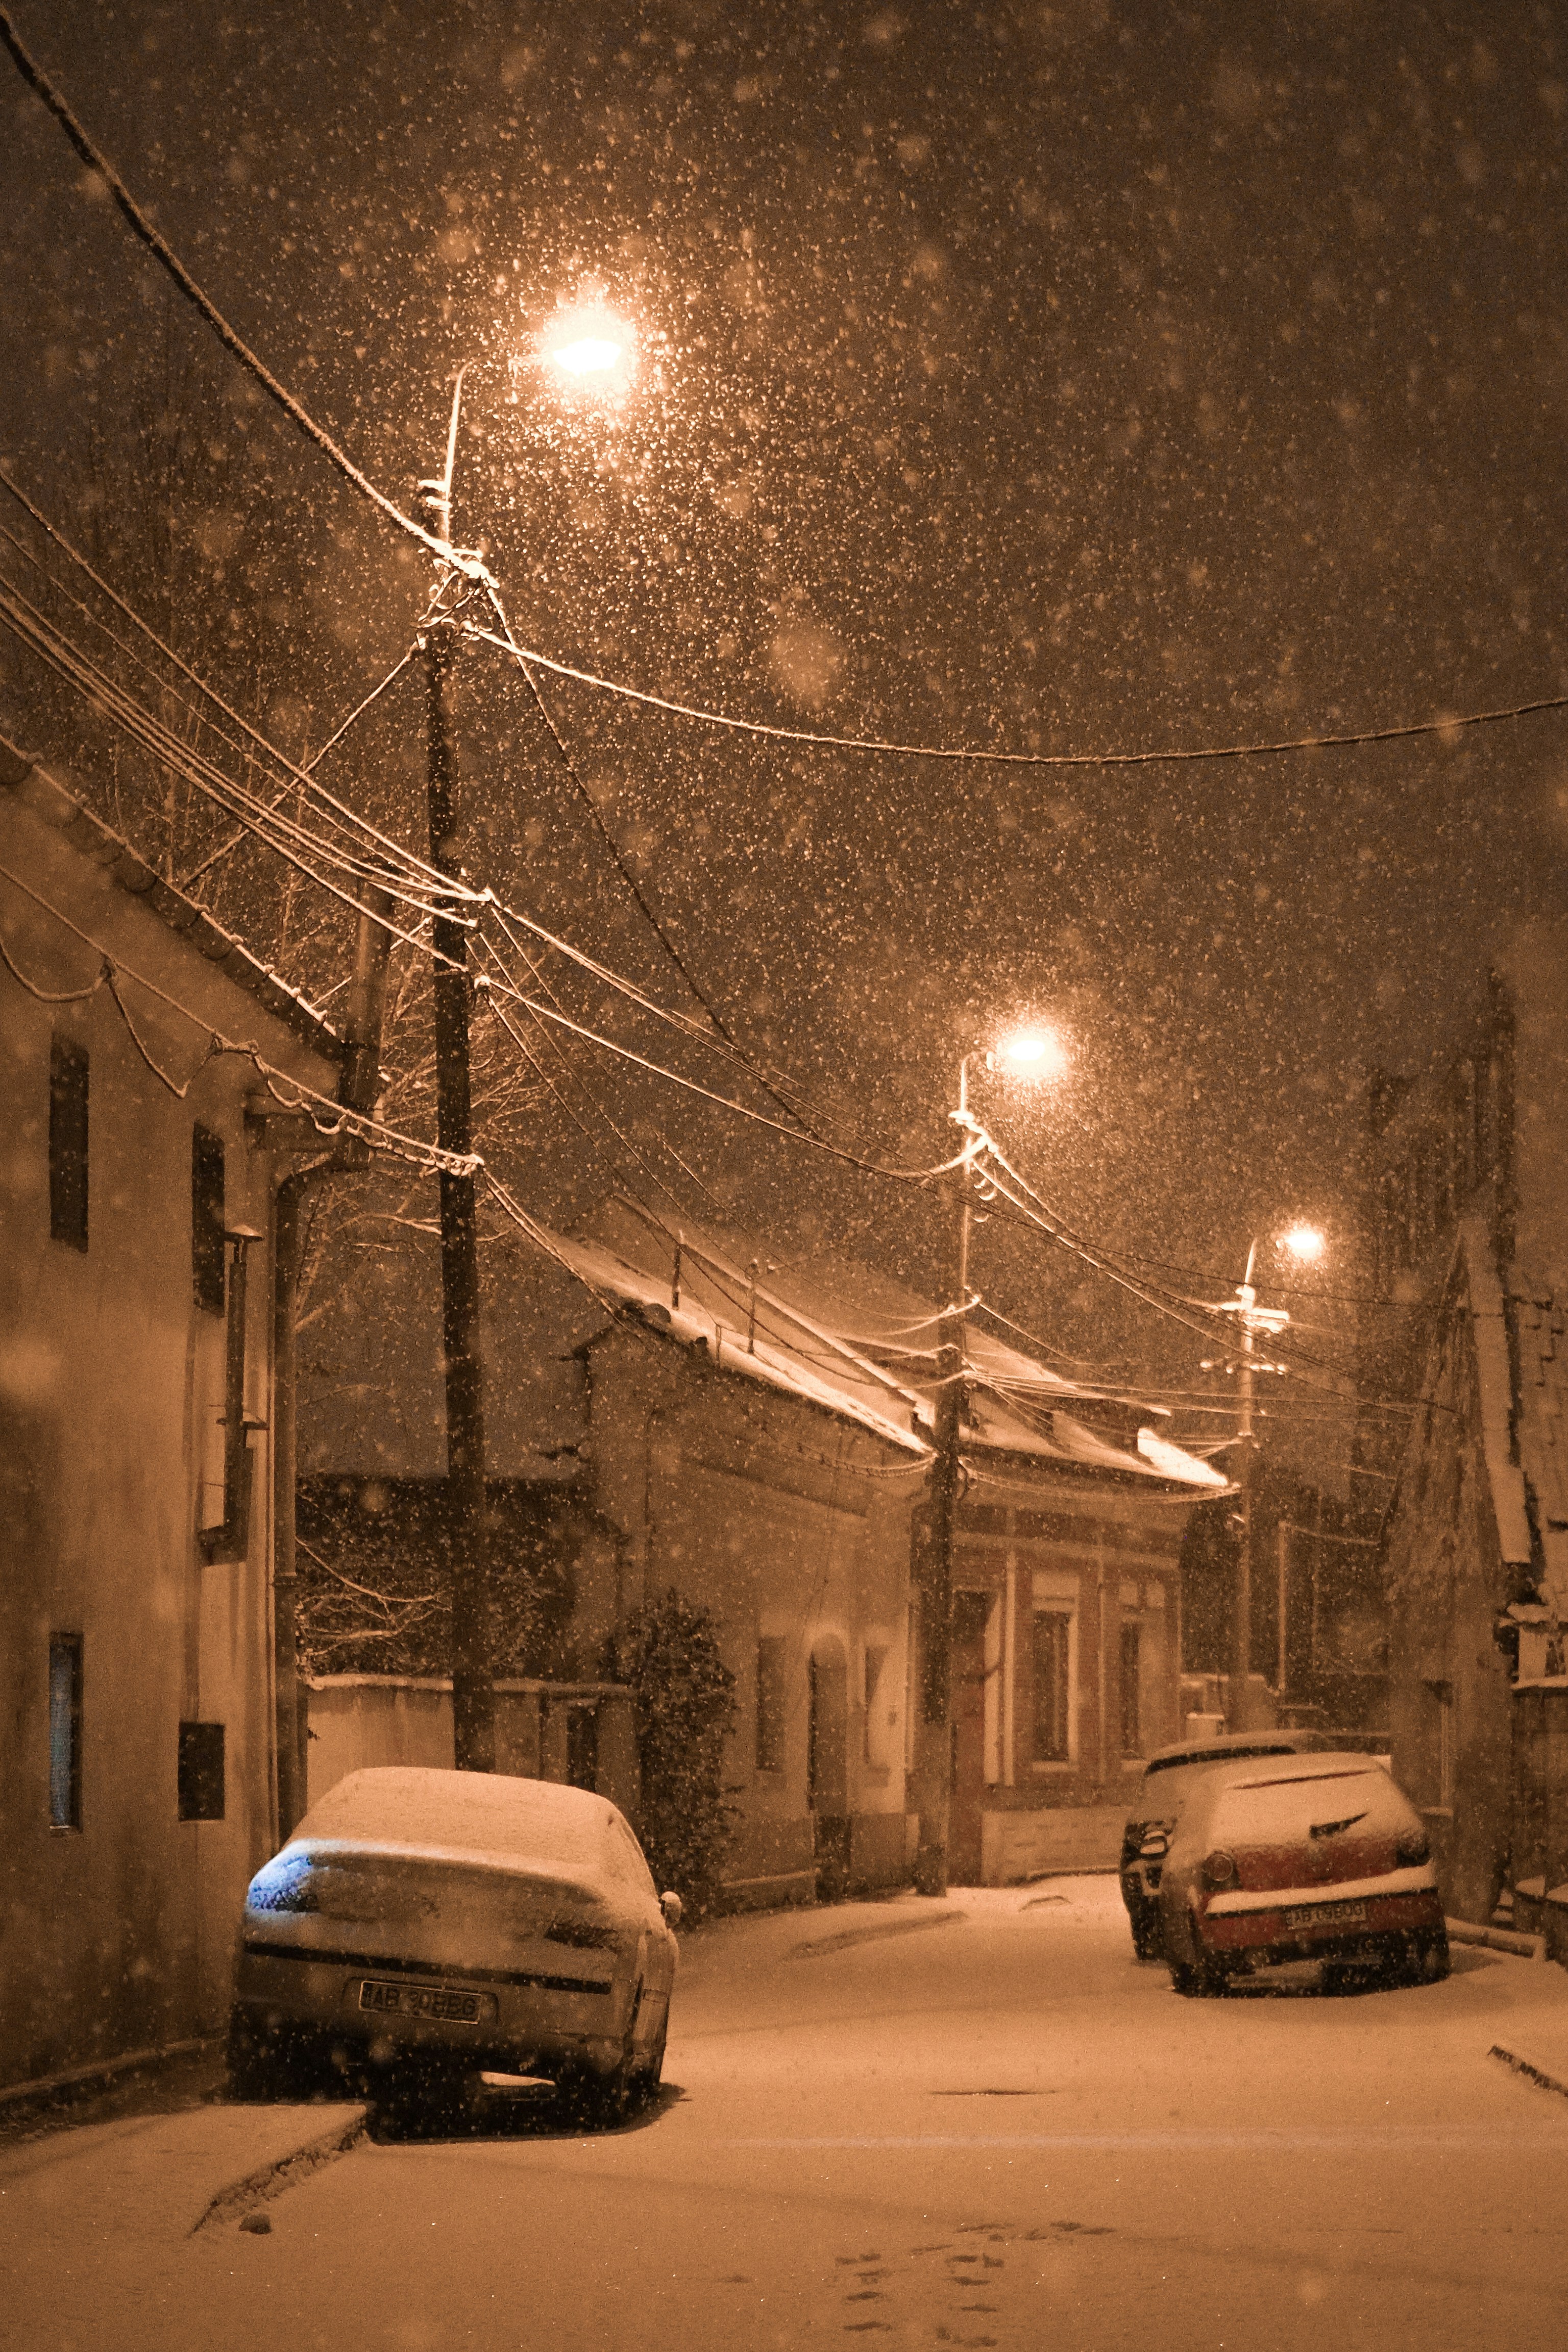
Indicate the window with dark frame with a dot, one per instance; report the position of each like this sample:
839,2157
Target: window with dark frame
206,1220
1052,1689
876,1658
201,1771
1131,1702
65,1731
770,1703
67,1142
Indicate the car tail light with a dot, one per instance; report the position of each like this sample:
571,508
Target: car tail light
1219,1869
1413,1848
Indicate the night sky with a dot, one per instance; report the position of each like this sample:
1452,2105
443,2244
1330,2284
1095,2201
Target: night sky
1099,376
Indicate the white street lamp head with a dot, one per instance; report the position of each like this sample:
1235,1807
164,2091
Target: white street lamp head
588,348
1305,1244
1036,1054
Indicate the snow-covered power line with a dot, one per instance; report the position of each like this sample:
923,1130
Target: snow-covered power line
418,868
463,559
648,912
294,843
1179,754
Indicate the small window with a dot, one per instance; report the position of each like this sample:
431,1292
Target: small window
206,1220
201,1773
1132,1712
65,1731
1052,1687
770,1703
876,1730
67,1142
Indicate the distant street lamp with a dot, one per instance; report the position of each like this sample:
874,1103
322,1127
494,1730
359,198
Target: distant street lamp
1304,1244
1035,1055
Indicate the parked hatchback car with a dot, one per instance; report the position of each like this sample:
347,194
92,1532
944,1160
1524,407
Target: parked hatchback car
1169,1778
1309,1857
460,1921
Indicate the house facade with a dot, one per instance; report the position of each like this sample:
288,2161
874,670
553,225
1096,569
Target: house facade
680,1419
1468,1232
135,1366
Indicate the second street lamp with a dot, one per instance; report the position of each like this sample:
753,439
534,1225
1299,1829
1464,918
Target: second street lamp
1032,1054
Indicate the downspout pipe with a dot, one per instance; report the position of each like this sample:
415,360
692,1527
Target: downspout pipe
359,1085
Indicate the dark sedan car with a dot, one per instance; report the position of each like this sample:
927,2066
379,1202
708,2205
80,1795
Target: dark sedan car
1169,1778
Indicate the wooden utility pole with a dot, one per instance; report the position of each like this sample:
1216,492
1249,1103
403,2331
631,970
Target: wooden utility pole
933,1771
466,1513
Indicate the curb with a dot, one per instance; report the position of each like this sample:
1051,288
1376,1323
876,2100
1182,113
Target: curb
102,2074
1536,2075
1497,1939
259,2188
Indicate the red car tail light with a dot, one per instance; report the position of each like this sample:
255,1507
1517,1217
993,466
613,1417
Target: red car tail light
1219,1869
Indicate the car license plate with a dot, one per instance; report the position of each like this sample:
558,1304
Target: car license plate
1328,1915
424,2000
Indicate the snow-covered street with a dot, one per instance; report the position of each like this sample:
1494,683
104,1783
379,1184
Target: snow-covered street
974,2122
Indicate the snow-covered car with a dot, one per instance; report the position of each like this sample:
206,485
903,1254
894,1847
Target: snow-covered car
1310,1857
467,1921
1168,1778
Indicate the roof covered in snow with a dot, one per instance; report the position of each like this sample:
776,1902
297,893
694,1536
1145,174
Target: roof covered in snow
860,1346
49,800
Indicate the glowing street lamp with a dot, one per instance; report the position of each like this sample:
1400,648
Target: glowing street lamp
585,348
1305,1244
1037,1055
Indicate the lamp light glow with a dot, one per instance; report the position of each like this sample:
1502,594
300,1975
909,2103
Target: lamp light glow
1305,1244
591,355
587,348
1030,1053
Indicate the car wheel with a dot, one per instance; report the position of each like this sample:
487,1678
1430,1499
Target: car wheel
1197,1980
652,2068
1148,1936
1420,1958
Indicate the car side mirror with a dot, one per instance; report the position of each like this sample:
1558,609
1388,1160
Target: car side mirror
671,1906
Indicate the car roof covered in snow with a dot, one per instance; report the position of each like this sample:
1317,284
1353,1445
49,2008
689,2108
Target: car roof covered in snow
491,1815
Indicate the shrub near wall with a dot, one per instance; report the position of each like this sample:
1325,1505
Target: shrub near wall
684,1707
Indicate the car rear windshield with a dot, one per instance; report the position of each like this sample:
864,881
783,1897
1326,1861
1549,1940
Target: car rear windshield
465,1812
1272,1812
1217,1755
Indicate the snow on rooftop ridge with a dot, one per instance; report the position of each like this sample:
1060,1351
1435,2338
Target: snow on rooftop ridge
695,1326
56,805
842,1390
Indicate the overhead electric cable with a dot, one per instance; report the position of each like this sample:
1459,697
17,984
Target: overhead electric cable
289,841
524,655
723,1102
308,767
645,906
463,560
416,865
